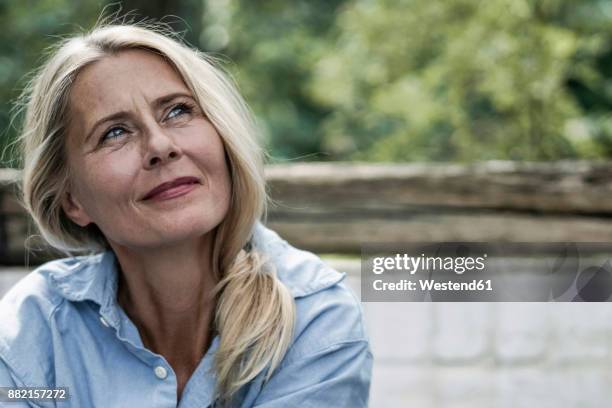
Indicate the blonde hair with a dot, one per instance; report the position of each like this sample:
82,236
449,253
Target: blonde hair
255,312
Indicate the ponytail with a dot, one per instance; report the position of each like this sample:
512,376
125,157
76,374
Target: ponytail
255,318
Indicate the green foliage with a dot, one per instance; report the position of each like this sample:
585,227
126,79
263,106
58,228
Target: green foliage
272,46
458,80
28,27
382,80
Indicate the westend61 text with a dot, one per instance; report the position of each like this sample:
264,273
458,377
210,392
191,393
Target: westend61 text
431,284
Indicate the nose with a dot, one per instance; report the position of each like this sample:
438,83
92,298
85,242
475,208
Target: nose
160,148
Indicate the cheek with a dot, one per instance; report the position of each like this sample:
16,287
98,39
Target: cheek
107,178
206,148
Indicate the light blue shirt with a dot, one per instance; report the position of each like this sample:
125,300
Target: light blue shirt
61,326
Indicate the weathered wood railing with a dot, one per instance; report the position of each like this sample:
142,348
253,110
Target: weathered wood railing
336,207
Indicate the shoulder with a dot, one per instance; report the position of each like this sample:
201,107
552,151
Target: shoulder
328,318
329,362
328,313
26,320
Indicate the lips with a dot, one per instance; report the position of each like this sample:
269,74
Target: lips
170,184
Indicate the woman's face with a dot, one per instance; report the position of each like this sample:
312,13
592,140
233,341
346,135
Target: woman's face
133,125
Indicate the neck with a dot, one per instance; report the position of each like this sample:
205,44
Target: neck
167,294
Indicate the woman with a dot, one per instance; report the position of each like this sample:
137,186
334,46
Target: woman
139,151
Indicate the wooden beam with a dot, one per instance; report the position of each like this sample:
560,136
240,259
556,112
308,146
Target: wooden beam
337,207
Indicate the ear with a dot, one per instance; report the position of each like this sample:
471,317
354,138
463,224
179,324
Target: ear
74,210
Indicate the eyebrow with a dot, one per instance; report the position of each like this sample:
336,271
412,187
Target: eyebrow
157,103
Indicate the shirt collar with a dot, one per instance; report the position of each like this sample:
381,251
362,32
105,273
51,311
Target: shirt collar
303,272
87,277
95,277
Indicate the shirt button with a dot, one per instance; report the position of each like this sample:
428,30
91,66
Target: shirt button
104,322
160,372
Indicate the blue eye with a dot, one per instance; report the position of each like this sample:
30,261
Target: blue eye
113,133
178,110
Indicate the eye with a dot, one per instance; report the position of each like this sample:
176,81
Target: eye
178,110
113,133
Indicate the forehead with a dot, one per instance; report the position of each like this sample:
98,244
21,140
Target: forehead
117,81
127,70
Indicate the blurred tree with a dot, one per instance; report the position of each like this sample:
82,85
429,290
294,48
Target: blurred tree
380,80
182,16
591,80
272,46
28,27
460,79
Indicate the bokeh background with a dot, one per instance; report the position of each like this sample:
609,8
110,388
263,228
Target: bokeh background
401,80
402,121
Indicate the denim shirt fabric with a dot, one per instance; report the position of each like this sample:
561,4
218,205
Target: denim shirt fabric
61,326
